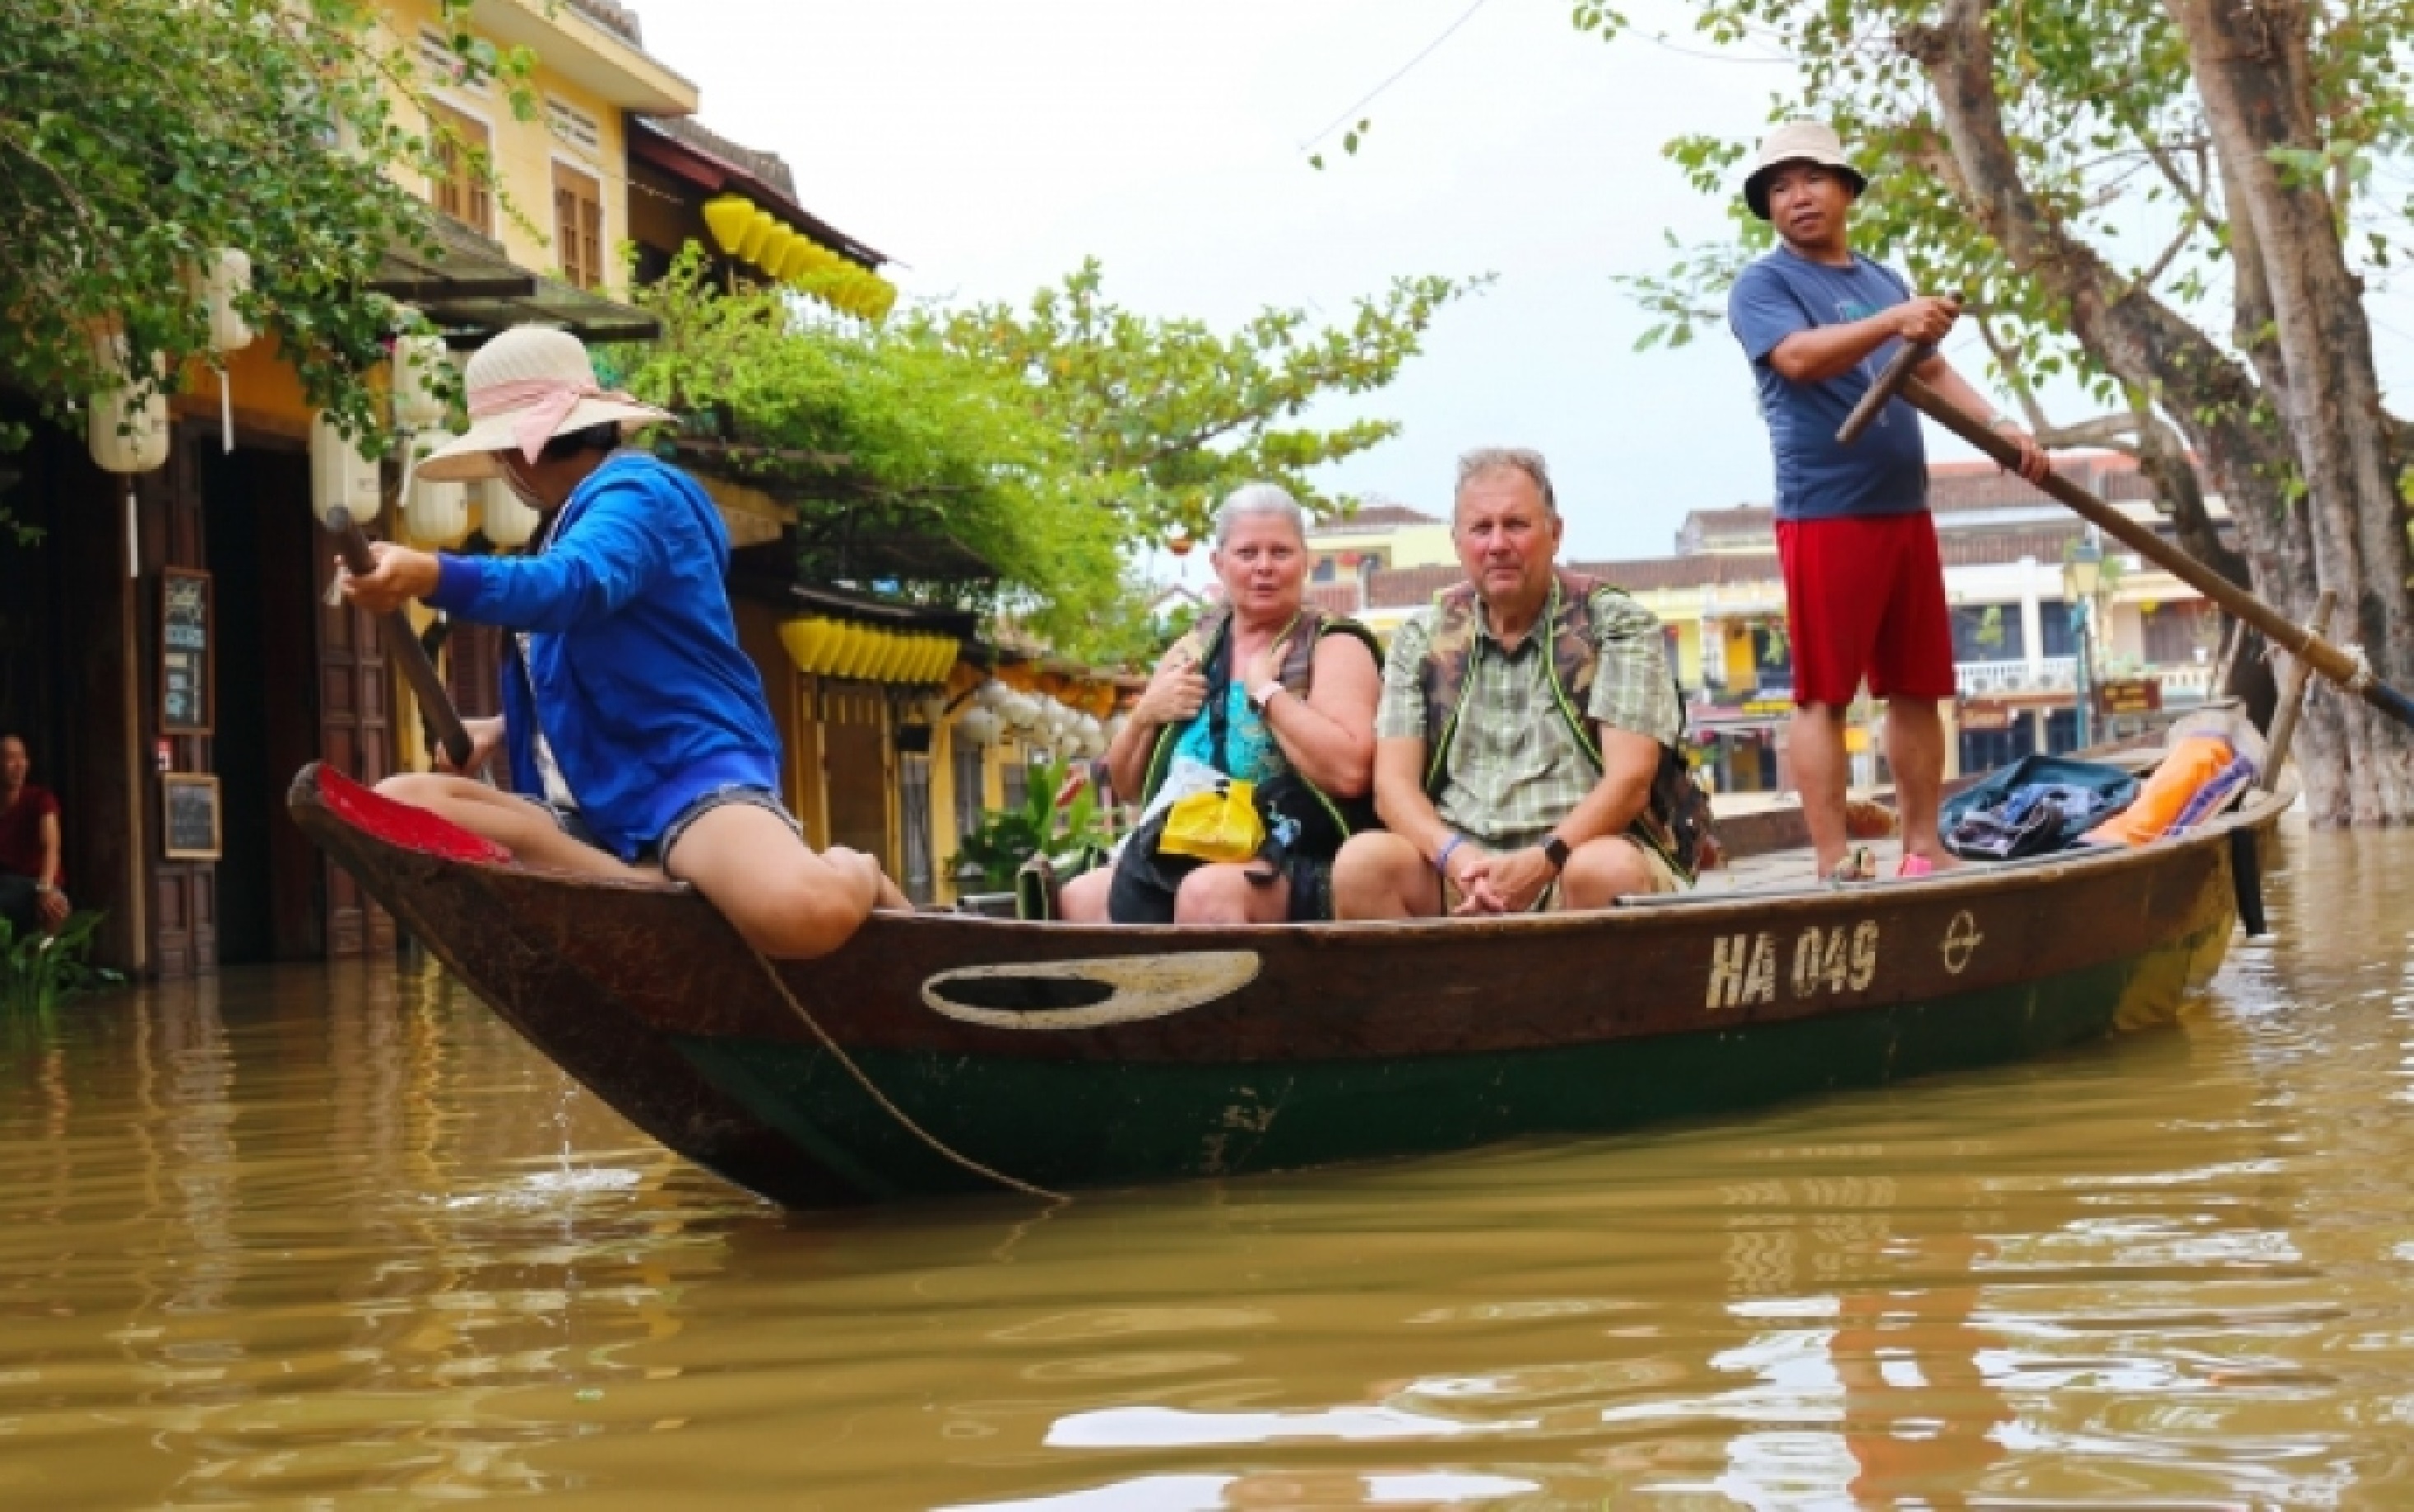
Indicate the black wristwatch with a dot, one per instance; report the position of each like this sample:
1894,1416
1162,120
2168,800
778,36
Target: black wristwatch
1555,851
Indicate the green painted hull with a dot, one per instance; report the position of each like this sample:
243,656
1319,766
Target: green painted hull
1067,1057
1081,1124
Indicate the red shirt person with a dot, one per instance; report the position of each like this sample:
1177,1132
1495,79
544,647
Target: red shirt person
32,877
1864,586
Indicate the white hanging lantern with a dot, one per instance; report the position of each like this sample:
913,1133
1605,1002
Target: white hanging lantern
223,275
507,522
434,513
125,434
1022,711
1094,736
340,476
980,726
991,695
418,399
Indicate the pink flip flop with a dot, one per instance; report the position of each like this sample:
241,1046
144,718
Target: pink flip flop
1915,866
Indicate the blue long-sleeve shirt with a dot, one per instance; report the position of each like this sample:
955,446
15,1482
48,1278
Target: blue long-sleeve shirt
640,687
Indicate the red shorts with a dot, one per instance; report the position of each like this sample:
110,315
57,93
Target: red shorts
1865,597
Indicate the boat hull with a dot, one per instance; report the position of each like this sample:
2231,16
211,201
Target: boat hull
1067,1057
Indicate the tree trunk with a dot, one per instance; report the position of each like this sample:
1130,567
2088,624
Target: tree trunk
2250,62
2212,397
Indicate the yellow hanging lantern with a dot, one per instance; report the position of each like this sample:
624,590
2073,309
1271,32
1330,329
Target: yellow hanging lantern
224,275
792,262
775,249
729,218
758,230
342,476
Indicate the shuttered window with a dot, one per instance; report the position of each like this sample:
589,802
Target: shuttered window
578,226
463,145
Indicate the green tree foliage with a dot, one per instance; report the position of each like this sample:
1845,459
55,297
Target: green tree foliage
874,431
1164,417
139,136
2162,213
1045,442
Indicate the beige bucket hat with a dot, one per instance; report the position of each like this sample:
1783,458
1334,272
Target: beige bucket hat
1798,142
526,387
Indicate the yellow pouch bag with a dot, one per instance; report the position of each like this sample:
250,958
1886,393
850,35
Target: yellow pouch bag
1220,825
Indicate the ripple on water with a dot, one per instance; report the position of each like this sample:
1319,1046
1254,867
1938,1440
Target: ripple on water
336,1239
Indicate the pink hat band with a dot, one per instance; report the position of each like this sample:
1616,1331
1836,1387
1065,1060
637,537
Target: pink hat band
542,404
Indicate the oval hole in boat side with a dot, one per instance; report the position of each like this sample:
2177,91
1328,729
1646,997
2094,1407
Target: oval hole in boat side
1024,994
1088,993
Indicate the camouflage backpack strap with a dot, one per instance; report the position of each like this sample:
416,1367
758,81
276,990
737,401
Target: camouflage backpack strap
1575,655
1450,648
1203,640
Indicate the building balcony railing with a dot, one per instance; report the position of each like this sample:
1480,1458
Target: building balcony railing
1983,679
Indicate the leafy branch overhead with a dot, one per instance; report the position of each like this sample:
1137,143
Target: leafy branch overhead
2164,214
1164,416
139,136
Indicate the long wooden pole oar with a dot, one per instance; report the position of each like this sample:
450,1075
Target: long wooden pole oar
435,704
2346,668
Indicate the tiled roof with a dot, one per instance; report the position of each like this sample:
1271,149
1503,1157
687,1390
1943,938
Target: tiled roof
619,20
1333,597
1408,586
770,168
1377,517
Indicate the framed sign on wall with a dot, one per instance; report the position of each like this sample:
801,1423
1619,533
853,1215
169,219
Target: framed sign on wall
187,663
189,827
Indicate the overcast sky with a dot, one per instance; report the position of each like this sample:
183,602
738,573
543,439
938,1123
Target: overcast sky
989,145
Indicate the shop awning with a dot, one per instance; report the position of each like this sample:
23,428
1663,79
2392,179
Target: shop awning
470,289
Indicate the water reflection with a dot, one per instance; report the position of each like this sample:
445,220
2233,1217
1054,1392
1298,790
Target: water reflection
336,1239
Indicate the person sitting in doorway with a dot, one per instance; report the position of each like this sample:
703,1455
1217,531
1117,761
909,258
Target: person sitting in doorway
33,890
1264,689
638,731
1527,750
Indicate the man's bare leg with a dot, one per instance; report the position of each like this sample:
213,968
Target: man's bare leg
528,830
1815,749
1915,746
1083,900
1380,876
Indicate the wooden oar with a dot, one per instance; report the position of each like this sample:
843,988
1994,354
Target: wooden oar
2346,668
435,704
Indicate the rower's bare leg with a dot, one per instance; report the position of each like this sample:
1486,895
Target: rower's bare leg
1380,876
782,898
1814,750
526,829
1915,746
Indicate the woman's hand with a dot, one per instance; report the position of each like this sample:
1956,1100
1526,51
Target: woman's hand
402,574
1176,693
485,738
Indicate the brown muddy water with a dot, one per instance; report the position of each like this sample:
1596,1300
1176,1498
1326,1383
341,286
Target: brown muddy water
304,1238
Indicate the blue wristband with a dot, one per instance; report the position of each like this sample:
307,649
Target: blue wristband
1441,857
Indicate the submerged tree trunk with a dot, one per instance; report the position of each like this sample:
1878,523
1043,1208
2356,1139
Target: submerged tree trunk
2354,772
2252,70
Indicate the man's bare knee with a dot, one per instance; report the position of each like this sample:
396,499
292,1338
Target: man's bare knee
1600,871
1083,900
1373,878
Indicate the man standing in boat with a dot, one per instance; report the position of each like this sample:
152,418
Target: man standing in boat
637,730
1525,747
1864,585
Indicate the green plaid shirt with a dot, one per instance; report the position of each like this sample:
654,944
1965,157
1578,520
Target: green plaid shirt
1514,769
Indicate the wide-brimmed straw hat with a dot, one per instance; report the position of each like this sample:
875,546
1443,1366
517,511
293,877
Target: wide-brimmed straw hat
1798,142
526,387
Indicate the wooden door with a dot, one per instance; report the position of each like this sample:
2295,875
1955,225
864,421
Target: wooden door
355,737
855,769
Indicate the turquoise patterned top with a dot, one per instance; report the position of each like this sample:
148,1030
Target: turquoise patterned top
1255,757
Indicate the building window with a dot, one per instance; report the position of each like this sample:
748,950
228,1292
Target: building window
578,226
1326,571
446,68
1989,632
2180,633
575,128
463,148
972,785
1014,785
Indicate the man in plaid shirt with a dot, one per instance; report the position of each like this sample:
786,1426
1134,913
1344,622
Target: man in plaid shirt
1523,722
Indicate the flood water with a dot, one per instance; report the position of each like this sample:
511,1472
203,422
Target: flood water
336,1239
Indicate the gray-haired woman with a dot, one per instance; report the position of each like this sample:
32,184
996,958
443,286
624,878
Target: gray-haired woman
1264,689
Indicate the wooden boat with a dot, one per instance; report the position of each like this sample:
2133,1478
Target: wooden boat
940,1053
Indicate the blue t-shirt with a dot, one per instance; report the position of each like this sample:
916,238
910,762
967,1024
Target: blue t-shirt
1253,755
1885,471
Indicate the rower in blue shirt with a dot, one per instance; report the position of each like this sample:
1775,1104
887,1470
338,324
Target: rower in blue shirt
638,733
